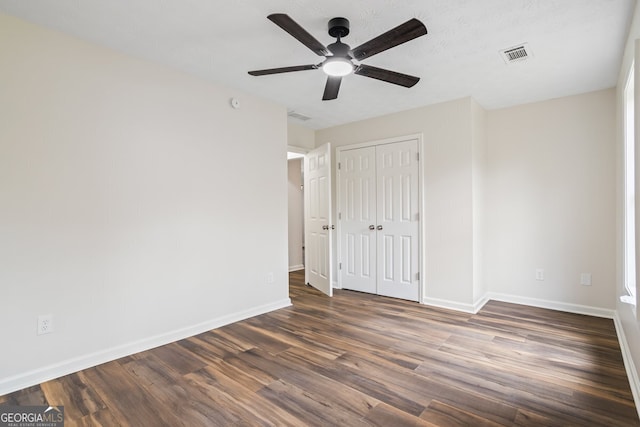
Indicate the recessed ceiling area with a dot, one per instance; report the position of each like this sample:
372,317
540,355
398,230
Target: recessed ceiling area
577,46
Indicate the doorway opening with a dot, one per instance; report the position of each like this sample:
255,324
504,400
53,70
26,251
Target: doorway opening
295,187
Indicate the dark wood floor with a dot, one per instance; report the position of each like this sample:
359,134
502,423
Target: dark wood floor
357,360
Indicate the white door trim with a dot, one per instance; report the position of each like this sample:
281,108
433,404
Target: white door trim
419,137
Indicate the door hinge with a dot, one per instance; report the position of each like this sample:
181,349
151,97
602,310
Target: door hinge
340,266
339,215
418,275
339,165
418,156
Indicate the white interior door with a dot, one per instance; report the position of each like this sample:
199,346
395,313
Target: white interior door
379,219
358,219
318,226
398,223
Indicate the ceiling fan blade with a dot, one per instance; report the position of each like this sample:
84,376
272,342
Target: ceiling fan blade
283,70
292,27
403,33
331,88
386,75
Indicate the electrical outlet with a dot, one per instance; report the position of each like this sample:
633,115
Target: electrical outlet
269,278
45,324
539,274
585,279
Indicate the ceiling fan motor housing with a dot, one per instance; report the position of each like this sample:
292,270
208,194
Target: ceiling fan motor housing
339,27
339,49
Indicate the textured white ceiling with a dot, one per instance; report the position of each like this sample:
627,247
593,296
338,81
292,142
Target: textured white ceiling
577,46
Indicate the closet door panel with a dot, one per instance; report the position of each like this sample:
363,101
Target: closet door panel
358,204
398,222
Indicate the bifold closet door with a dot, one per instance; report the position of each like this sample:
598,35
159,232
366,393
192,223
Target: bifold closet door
358,223
398,222
379,219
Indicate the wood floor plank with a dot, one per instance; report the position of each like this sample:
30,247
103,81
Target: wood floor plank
345,397
187,402
26,397
521,391
293,335
530,419
384,415
308,407
74,389
244,373
360,359
178,358
248,402
100,418
130,403
203,350
442,414
468,374
291,368
363,382
258,337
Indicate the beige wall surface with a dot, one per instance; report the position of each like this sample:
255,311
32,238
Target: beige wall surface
447,188
136,206
627,313
551,200
300,137
479,171
509,191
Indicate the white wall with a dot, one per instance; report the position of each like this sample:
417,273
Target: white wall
479,171
551,200
136,206
630,326
300,137
296,215
448,203
509,191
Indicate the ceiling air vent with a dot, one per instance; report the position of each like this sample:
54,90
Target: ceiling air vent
516,54
298,116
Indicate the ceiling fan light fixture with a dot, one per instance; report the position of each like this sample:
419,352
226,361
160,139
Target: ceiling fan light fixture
339,56
337,67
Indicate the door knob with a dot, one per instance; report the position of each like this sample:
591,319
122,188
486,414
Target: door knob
325,227
372,227
379,227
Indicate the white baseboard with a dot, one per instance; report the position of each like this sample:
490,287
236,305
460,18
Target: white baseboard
629,366
454,305
296,267
40,375
480,303
553,305
534,302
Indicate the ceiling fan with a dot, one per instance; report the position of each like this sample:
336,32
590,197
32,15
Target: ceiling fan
339,57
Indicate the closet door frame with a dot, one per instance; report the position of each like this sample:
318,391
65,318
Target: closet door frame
419,138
